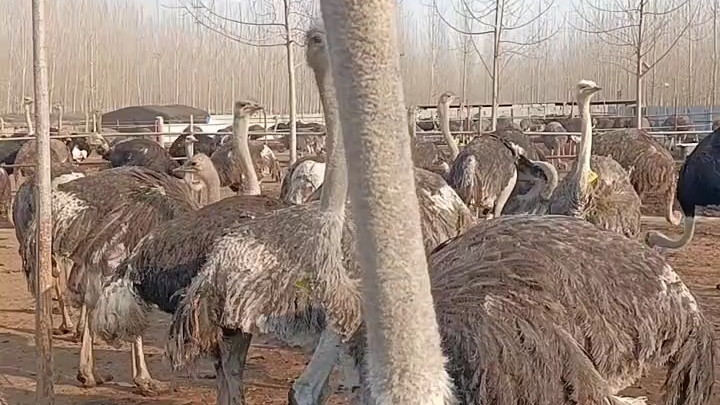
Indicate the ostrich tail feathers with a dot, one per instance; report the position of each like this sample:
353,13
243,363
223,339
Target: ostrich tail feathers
119,314
193,332
690,378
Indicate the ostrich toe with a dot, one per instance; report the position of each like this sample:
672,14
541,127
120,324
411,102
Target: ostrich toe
93,380
150,387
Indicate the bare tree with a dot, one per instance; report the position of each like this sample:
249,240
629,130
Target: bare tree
44,392
505,20
637,29
275,28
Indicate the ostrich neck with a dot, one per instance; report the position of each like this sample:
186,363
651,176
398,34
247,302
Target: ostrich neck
28,120
444,113
402,330
211,178
334,190
582,168
241,126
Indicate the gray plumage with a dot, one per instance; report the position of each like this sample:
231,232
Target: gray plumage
650,165
510,303
206,143
27,155
610,203
484,168
226,163
554,142
302,179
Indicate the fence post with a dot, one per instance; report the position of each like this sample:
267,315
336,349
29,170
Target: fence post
160,127
190,141
44,391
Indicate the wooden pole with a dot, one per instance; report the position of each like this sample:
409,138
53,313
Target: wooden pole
44,392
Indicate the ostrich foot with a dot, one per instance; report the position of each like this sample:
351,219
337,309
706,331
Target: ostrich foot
150,387
93,380
303,394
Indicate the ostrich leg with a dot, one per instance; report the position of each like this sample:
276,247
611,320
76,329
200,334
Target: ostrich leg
86,371
229,367
81,323
141,376
311,388
60,283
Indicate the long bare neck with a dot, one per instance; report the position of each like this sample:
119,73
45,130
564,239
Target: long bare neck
582,168
405,360
28,119
444,115
241,127
658,239
335,185
211,178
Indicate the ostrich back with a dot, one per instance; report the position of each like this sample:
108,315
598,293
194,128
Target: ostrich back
9,150
443,213
141,152
170,256
229,168
698,183
518,137
206,144
100,218
428,155
612,202
285,185
521,292
650,165
27,154
481,171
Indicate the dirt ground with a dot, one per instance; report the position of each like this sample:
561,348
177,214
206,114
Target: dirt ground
272,367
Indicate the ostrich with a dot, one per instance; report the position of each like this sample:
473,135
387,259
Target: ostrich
485,173
405,361
530,308
227,163
426,154
554,142
597,188
288,275
27,155
140,152
97,221
205,144
695,188
302,179
650,165
22,213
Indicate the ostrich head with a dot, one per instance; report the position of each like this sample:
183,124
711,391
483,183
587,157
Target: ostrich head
315,54
202,167
247,108
585,89
446,98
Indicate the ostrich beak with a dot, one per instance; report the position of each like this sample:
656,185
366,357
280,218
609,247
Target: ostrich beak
181,171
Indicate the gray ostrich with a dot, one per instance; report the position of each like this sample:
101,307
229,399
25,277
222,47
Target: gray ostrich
227,162
97,221
597,188
530,309
23,210
428,155
405,360
302,179
165,261
485,173
141,152
265,291
650,165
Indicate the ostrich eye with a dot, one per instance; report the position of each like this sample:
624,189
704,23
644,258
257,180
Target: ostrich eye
316,40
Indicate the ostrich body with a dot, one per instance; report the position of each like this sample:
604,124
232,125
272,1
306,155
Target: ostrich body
554,142
227,163
23,210
205,144
597,188
27,155
426,154
650,165
302,179
696,187
97,221
141,152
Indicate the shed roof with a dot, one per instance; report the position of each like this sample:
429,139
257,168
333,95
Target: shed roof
146,114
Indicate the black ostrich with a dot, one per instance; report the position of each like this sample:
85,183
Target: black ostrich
698,186
206,143
141,152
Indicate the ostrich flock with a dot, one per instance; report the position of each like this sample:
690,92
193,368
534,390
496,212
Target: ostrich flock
502,293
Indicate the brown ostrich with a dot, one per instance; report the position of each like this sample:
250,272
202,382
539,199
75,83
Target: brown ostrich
650,165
